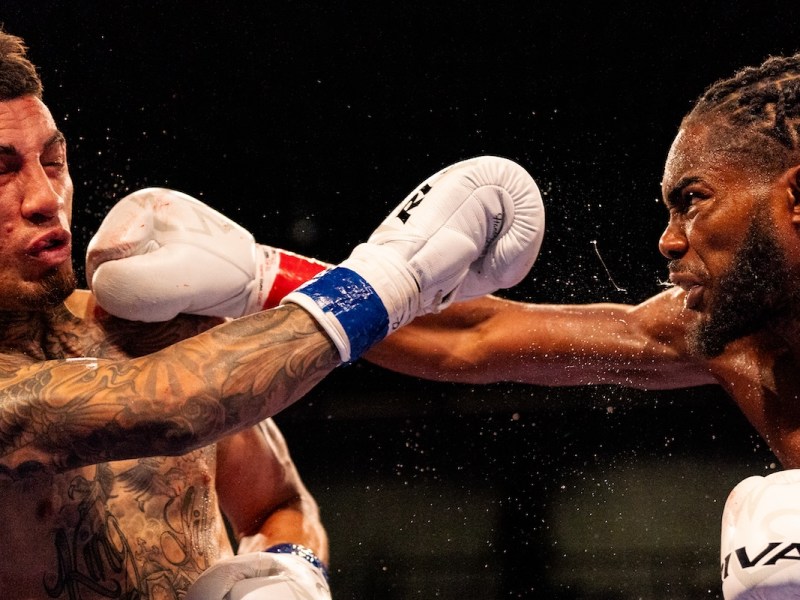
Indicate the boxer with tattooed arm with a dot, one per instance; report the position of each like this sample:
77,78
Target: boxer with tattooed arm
122,442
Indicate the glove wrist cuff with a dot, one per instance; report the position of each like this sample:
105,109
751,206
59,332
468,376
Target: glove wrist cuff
347,307
305,553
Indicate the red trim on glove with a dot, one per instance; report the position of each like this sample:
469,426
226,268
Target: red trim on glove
293,270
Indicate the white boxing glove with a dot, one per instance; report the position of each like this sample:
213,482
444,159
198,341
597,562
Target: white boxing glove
515,232
760,545
469,230
283,572
160,252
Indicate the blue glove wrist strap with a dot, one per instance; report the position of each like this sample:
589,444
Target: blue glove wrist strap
352,301
303,553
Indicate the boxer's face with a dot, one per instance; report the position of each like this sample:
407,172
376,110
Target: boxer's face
35,208
724,241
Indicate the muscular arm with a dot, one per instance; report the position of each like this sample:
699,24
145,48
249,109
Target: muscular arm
491,339
57,415
262,494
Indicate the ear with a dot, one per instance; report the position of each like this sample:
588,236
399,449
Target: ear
793,192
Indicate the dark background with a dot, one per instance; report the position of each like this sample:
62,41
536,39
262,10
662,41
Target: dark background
307,122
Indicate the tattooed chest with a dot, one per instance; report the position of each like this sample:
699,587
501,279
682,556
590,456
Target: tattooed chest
138,529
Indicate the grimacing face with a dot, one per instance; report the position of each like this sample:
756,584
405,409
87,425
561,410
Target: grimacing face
35,208
724,241
758,291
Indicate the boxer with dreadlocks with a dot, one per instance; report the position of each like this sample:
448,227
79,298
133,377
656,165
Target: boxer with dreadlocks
731,185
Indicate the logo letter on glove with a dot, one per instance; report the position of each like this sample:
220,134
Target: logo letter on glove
412,203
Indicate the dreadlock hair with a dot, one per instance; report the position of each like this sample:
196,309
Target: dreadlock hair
760,110
18,76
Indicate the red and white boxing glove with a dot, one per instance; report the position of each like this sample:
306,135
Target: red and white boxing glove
468,230
160,252
282,572
760,545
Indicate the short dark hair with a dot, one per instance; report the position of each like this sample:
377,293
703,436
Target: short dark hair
18,75
759,108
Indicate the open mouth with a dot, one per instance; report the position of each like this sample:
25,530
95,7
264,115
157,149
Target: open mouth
692,285
51,249
694,297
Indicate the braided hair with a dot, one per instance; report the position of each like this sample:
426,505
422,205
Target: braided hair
759,108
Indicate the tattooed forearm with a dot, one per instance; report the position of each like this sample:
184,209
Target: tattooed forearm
70,413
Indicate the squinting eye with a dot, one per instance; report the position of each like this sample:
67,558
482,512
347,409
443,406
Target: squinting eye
690,199
692,196
56,162
54,157
8,164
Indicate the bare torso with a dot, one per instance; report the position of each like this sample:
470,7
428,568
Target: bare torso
140,528
764,381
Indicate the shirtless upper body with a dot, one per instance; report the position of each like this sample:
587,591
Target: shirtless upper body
121,442
140,527
731,185
111,485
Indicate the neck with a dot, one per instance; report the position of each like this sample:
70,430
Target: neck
785,331
27,332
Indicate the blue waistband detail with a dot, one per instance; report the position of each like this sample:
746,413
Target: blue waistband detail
303,552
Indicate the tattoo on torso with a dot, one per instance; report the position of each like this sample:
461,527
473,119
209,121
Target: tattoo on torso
134,529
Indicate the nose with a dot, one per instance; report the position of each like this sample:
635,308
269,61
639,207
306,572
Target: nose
673,243
41,201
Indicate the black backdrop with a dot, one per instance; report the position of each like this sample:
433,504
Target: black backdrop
308,121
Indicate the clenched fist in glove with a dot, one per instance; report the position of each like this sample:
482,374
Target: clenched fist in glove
159,252
760,545
282,572
467,231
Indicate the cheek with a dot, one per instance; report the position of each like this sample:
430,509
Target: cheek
7,227
7,252
714,240
724,223
67,195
